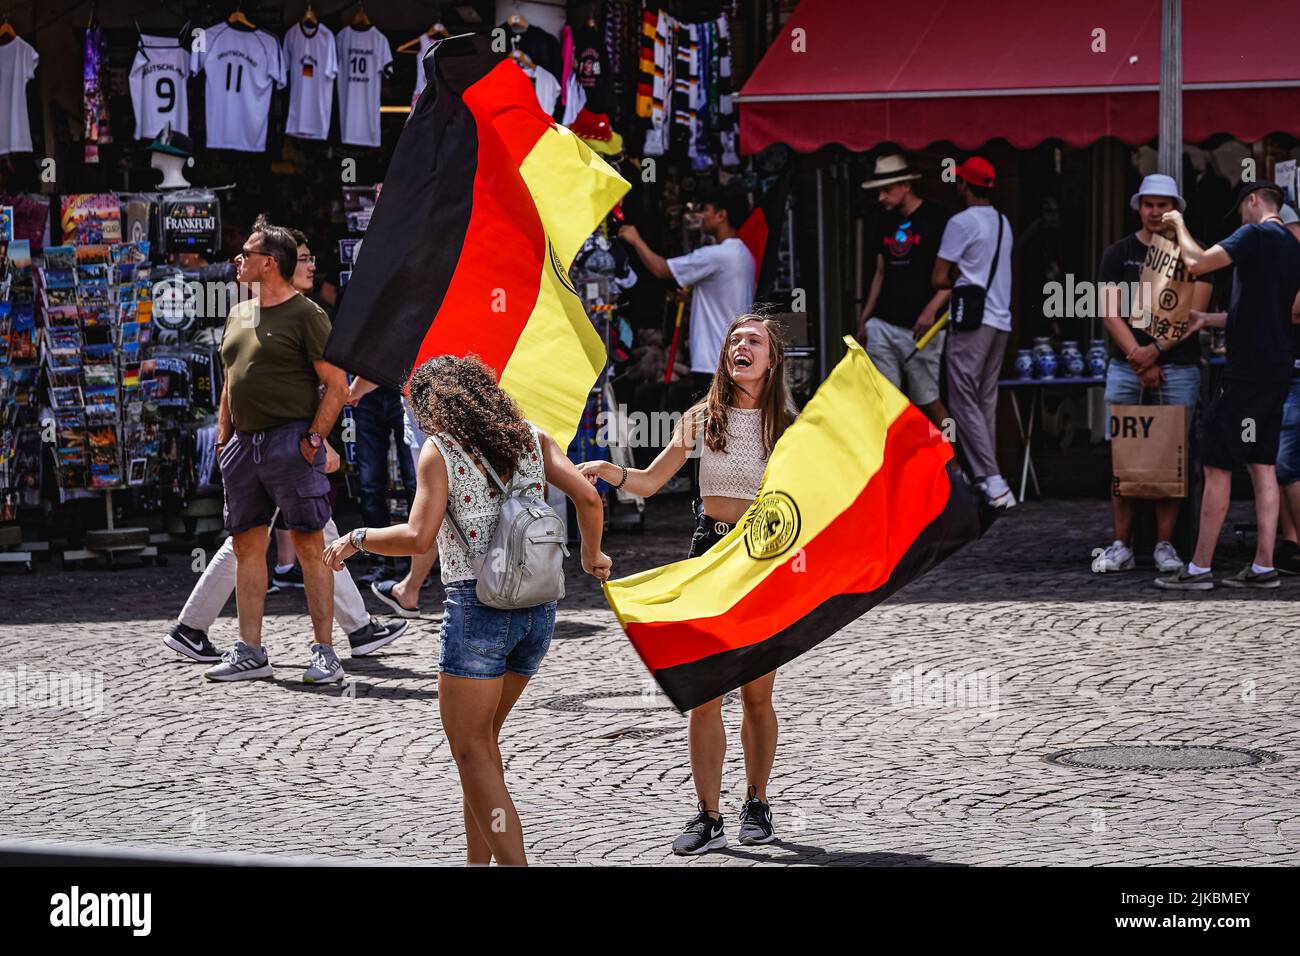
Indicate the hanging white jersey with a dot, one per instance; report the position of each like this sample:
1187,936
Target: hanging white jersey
17,66
158,86
312,63
242,68
363,56
421,80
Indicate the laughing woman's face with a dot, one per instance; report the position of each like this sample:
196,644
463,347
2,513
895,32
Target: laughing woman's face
749,351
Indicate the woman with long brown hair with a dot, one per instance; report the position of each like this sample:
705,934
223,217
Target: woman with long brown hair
735,428
487,654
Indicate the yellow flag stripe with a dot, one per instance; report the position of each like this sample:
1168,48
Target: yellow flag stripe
573,189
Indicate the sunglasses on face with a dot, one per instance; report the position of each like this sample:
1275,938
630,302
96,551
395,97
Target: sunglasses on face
245,252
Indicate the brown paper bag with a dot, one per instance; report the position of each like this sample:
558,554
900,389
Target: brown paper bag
1148,447
1162,306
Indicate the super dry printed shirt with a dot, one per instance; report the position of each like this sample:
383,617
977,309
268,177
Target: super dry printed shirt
363,57
311,61
17,66
242,68
158,86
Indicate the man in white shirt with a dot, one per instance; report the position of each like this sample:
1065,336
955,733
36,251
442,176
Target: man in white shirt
970,243
721,277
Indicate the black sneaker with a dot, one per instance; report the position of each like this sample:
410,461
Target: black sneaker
1248,577
756,822
702,834
373,636
288,579
192,643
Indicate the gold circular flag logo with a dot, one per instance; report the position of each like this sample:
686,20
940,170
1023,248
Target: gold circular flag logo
773,525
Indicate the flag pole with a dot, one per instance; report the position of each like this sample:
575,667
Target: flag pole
677,334
926,339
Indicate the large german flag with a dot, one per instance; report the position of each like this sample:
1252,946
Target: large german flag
485,204
861,495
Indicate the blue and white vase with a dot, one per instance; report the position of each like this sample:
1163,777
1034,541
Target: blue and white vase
1072,359
1024,364
1044,358
1097,358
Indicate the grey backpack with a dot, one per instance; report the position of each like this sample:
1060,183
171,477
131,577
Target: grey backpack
524,562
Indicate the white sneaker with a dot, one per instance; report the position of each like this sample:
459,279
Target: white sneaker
995,486
1166,558
1118,557
1004,501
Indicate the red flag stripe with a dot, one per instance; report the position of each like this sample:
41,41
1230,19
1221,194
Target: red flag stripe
903,497
495,284
505,98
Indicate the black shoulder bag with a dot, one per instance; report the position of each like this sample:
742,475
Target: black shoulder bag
966,306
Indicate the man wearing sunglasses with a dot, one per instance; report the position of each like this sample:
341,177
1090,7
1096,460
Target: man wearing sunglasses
279,400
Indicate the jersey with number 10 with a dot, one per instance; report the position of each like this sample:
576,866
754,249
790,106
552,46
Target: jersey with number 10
242,67
158,80
363,56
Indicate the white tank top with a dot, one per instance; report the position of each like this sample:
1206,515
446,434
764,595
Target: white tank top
476,504
738,471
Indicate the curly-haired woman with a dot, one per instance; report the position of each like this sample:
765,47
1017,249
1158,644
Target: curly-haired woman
487,655
746,410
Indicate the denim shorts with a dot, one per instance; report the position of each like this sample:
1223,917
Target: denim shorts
1182,387
485,642
1288,450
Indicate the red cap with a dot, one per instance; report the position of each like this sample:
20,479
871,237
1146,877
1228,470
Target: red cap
591,125
977,171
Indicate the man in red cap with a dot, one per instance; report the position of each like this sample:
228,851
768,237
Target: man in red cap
976,246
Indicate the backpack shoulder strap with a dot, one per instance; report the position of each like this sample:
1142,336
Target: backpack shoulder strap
444,443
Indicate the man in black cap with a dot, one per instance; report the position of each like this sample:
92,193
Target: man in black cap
1244,422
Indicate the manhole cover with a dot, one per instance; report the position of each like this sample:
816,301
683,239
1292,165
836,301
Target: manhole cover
1161,757
614,701
637,733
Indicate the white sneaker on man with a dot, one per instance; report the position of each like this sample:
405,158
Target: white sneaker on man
1166,558
998,492
1118,557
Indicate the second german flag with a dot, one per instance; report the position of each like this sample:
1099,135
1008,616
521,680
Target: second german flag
861,495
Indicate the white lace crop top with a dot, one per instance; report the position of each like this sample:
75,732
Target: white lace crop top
738,471
475,501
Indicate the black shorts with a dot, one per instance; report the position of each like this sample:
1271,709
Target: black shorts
708,532
1244,423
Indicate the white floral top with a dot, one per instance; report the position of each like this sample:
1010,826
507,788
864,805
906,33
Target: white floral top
475,501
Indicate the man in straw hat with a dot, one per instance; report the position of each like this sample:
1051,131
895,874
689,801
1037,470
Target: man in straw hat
903,304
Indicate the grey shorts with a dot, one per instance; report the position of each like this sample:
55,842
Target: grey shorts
262,471
889,347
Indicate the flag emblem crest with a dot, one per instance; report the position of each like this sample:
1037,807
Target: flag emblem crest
773,526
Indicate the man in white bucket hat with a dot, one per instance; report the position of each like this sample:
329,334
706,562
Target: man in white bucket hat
1140,373
902,303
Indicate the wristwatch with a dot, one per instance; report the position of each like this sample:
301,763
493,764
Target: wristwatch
314,439
359,539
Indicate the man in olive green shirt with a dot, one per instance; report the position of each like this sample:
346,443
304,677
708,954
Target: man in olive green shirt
279,400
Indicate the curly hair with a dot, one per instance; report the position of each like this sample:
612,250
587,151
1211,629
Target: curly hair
460,396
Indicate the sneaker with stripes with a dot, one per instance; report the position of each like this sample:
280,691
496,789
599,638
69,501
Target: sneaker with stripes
241,662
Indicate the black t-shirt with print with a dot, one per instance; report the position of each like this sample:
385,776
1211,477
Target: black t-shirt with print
909,246
1122,263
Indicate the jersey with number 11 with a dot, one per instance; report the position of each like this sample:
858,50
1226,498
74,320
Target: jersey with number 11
242,67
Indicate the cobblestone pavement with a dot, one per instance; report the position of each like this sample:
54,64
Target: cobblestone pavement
870,769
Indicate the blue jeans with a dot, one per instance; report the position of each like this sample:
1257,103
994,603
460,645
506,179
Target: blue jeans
379,419
1182,387
485,642
1288,449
